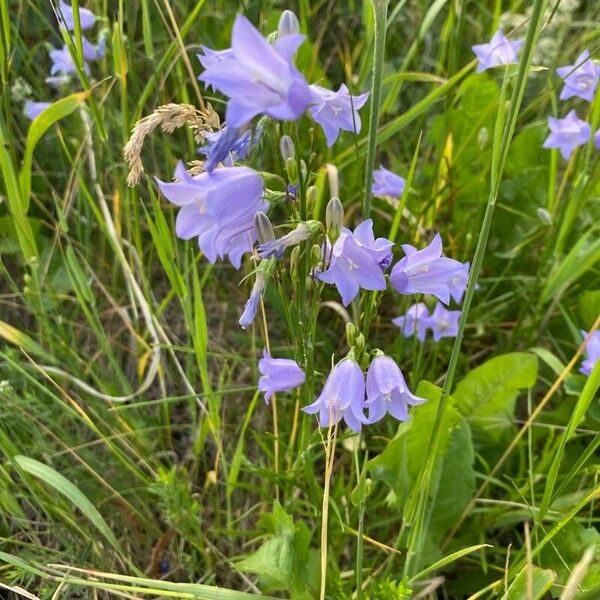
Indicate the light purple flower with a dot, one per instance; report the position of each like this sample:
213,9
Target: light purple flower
387,391
581,78
228,145
259,78
63,63
567,134
278,375
426,271
342,397
387,183
413,322
336,110
211,57
356,262
251,307
277,247
33,109
500,51
443,322
217,207
458,283
86,17
592,352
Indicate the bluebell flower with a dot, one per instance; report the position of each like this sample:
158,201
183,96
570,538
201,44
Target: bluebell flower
443,322
63,64
387,183
592,352
86,17
500,51
413,322
387,391
278,375
218,208
33,109
342,397
259,78
567,134
379,249
251,307
335,111
581,78
426,271
228,145
277,247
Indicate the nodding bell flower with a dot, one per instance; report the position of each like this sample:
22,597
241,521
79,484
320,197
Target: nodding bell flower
414,321
277,247
278,375
592,353
253,301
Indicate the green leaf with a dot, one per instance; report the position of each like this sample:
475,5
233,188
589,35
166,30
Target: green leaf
62,485
486,396
22,340
541,582
589,308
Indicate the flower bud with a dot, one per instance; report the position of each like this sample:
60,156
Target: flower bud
294,259
286,145
288,24
334,218
351,332
264,229
311,196
291,169
482,138
544,216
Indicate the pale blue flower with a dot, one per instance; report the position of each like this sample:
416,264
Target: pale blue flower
581,78
86,17
251,307
413,322
500,51
567,134
278,375
387,183
33,109
228,145
592,352
443,322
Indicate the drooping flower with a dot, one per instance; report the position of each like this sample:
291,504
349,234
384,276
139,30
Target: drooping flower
443,322
387,183
251,306
413,322
567,134
86,16
33,109
278,375
259,78
342,397
277,247
228,145
592,352
219,208
356,261
387,391
426,271
499,51
335,111
581,78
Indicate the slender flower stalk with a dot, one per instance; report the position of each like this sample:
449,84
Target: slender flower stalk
329,458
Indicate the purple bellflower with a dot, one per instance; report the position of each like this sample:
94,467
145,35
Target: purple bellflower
426,271
210,58
343,396
228,145
357,261
458,283
387,391
414,321
257,77
335,111
580,78
387,183
277,247
63,64
219,208
567,134
33,109
443,322
499,51
278,375
592,353
251,307
86,17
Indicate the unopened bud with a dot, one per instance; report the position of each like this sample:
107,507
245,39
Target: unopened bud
350,333
291,169
482,138
544,216
294,259
334,218
286,145
311,196
288,24
264,229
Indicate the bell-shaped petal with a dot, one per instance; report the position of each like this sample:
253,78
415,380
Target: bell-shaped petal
278,375
499,51
387,183
86,16
567,134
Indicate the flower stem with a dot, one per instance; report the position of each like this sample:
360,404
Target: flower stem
329,457
380,14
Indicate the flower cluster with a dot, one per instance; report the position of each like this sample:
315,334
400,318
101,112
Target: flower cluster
63,65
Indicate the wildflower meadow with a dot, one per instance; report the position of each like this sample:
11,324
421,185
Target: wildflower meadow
300,299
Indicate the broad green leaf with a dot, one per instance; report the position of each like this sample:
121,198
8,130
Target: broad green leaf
62,485
541,582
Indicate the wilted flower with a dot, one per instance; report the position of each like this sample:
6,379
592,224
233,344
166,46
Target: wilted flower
219,208
592,352
387,391
581,78
387,183
500,51
336,110
426,271
414,321
33,109
567,134
251,306
228,145
443,322
259,78
278,375
277,247
356,261
86,17
343,396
